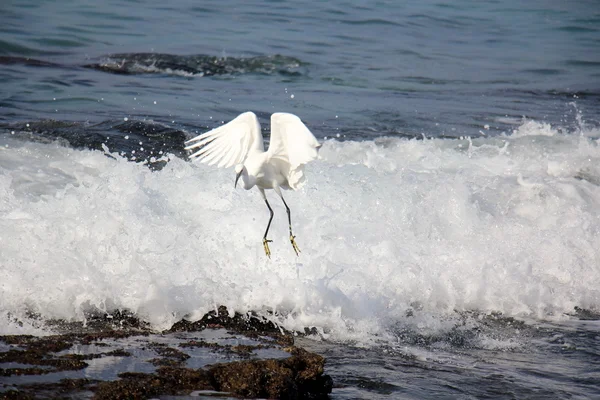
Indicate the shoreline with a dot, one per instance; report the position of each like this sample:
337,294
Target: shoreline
120,357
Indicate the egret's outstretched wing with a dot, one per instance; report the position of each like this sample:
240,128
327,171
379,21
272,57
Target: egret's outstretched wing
229,144
292,145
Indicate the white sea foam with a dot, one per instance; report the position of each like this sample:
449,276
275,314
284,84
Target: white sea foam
507,224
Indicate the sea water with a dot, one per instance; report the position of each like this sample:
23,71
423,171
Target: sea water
407,245
449,230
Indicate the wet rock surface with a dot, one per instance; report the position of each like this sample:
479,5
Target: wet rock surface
119,357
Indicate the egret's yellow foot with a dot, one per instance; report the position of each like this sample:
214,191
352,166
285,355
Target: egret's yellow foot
294,245
266,246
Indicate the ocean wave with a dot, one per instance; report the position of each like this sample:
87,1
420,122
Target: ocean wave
134,139
196,65
169,64
395,235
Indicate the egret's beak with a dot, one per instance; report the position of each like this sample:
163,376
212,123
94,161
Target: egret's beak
237,178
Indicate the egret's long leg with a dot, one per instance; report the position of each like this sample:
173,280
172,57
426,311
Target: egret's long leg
265,240
292,237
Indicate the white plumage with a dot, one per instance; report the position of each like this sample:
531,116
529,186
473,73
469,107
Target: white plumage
240,143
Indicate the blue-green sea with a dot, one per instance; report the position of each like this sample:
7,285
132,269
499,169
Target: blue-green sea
450,229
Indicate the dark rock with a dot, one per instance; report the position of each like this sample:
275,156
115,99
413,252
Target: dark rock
167,380
51,390
244,351
15,395
36,344
263,378
170,357
250,325
40,358
300,376
296,377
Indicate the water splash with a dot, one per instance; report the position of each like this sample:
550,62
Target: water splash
393,233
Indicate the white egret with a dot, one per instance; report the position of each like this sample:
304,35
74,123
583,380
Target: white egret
240,143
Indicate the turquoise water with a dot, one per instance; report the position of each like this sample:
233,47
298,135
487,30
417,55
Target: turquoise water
361,69
450,230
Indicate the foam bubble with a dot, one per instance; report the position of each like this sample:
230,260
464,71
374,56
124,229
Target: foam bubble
387,228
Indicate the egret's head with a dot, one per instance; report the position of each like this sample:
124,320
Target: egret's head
238,172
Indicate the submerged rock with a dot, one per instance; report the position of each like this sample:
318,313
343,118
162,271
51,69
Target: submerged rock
261,361
297,377
196,65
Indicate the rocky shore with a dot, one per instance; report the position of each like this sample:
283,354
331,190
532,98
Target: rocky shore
119,357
